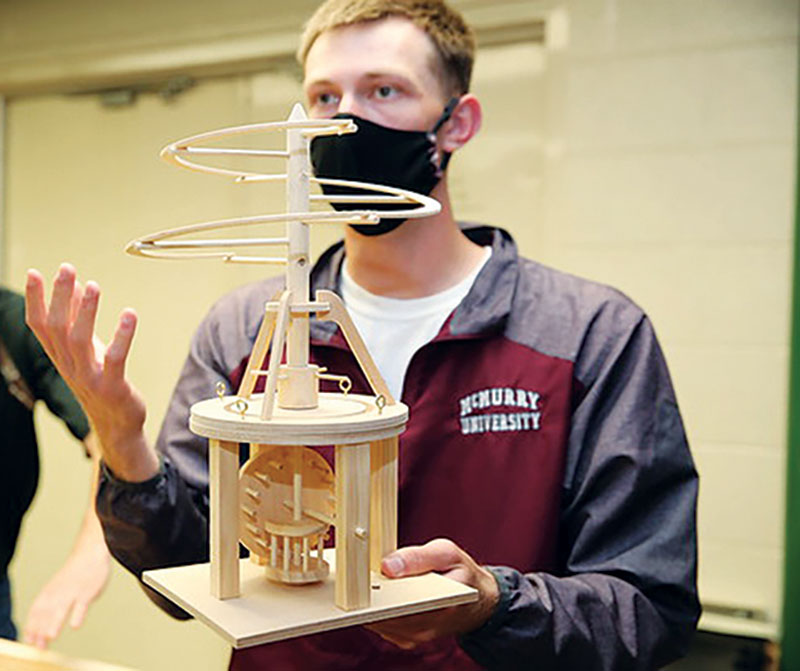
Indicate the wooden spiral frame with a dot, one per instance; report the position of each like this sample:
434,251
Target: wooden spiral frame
300,131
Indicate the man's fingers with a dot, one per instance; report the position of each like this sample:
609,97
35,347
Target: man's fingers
79,610
409,631
99,349
61,301
44,623
58,317
37,640
117,351
36,308
82,333
437,555
75,301
399,641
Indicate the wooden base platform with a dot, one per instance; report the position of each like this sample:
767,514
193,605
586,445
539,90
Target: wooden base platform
268,611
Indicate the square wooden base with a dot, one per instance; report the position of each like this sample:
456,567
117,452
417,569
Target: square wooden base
269,611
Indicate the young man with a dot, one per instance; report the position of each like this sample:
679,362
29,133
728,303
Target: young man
545,461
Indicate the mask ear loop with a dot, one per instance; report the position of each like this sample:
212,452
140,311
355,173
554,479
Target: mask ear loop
444,118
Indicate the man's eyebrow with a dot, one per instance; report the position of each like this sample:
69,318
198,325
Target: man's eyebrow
382,74
389,76
318,82
386,73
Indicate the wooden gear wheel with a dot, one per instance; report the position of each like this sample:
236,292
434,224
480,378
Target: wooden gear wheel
287,506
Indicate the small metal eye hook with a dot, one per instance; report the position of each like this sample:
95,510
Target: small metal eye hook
241,406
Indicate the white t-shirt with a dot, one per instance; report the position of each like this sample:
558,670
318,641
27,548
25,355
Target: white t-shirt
395,328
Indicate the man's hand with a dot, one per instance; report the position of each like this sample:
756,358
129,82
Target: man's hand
68,594
95,373
445,557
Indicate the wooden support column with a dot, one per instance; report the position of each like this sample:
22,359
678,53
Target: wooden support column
352,588
383,509
224,524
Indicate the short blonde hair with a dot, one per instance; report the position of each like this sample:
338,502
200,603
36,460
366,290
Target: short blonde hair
452,38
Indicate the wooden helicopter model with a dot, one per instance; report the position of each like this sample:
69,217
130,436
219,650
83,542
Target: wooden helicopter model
283,501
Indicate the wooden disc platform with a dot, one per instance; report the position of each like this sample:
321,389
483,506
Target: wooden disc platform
340,419
270,611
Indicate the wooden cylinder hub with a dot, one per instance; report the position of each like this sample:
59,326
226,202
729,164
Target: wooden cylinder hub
298,387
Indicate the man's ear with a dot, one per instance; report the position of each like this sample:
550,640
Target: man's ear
463,124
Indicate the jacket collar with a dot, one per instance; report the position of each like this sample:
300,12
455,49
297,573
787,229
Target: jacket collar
484,309
487,305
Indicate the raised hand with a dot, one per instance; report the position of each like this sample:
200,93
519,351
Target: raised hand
94,372
445,557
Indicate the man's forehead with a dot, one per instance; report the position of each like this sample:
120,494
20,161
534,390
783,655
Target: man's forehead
393,45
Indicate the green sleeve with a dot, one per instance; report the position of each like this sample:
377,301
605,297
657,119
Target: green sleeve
36,368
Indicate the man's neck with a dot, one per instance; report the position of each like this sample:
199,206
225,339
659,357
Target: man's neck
419,258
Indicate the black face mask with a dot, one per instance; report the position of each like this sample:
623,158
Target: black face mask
400,158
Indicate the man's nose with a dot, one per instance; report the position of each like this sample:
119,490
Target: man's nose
349,104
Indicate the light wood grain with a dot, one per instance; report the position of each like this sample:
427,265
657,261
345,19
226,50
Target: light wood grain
269,611
337,420
352,526
224,513
286,496
298,275
259,351
383,503
276,353
20,657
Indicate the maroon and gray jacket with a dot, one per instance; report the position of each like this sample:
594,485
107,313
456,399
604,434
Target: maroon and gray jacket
544,438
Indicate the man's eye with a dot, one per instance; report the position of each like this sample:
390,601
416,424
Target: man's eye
326,99
385,91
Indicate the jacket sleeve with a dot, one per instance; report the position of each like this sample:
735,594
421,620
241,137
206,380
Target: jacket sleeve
154,524
626,599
